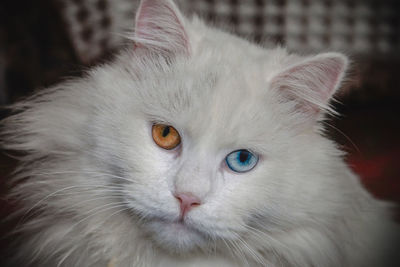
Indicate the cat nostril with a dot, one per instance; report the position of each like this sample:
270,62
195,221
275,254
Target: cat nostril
195,204
187,201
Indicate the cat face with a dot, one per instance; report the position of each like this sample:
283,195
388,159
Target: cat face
214,116
219,95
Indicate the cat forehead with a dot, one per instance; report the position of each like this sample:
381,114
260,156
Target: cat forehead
222,105
219,92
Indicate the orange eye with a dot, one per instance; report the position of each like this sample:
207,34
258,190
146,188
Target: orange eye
165,136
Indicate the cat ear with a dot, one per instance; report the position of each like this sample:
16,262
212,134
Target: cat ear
160,28
312,82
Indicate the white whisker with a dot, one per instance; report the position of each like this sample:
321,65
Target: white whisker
56,193
101,209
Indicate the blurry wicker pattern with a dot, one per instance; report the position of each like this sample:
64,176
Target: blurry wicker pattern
356,27
96,26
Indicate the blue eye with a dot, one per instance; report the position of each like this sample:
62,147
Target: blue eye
241,160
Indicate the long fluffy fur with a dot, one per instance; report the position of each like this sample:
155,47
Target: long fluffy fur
94,187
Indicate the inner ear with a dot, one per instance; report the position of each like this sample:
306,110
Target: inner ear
312,82
160,27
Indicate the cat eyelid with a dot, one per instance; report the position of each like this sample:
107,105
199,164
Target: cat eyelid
152,121
251,149
160,121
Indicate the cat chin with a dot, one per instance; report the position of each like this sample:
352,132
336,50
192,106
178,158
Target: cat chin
175,237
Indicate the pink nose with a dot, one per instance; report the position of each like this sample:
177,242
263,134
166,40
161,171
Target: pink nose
187,201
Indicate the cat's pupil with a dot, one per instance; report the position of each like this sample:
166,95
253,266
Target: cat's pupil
165,131
243,156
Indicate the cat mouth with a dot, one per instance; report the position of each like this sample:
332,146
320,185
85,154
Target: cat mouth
180,225
176,236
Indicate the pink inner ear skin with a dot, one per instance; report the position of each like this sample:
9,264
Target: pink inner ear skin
159,27
313,82
333,77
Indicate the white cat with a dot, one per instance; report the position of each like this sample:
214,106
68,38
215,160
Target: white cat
192,148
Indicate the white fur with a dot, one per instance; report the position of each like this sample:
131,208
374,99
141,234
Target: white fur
95,187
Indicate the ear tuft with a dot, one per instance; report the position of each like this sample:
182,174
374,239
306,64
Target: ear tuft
312,82
160,28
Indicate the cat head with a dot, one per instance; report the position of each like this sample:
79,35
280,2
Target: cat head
214,138
218,136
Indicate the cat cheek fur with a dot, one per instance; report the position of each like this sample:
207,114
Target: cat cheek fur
94,186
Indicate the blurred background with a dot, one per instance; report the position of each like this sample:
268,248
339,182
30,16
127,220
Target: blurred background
42,42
